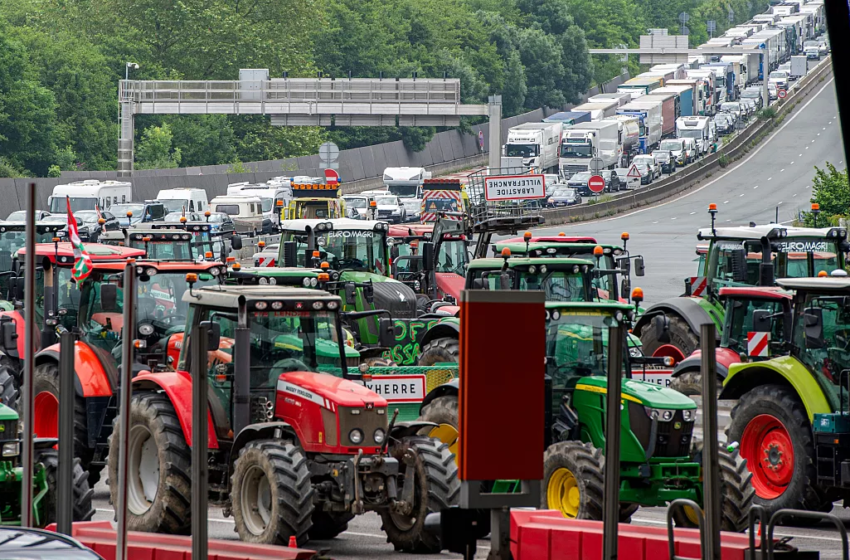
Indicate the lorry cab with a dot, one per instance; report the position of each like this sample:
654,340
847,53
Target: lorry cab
183,199
89,195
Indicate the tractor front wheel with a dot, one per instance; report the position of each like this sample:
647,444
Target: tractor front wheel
439,350
82,493
772,427
159,487
272,497
573,480
437,487
681,338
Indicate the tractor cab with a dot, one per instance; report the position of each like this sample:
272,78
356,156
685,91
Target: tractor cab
561,279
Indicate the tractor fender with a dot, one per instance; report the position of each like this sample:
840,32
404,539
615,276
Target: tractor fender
404,429
443,329
449,388
785,371
724,357
266,430
178,386
685,307
93,378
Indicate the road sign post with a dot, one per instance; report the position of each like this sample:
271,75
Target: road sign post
596,184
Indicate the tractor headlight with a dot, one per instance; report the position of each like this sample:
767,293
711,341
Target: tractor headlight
379,435
11,449
146,329
689,415
355,436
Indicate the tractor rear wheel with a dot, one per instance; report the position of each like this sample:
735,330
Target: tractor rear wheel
443,349
272,496
573,480
437,487
681,337
46,399
9,394
327,525
159,486
773,430
82,493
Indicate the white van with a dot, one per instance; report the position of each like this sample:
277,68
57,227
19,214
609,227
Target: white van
184,199
245,211
89,195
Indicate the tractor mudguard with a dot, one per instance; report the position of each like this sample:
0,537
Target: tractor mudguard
724,357
178,386
266,430
449,388
786,371
449,328
405,429
688,308
92,379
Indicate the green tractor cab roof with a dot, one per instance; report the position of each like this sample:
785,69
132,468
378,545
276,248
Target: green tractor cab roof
825,284
514,262
264,298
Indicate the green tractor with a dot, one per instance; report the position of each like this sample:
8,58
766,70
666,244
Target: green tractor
46,462
659,460
791,420
737,256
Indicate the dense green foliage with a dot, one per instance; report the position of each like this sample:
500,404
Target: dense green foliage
61,60
831,190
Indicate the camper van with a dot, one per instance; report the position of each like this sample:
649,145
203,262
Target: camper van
90,194
184,200
245,211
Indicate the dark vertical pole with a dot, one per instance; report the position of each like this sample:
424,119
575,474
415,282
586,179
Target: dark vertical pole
710,460
198,347
125,393
29,357
67,394
611,514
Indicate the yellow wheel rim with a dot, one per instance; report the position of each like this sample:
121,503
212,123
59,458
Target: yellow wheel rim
448,435
692,515
563,493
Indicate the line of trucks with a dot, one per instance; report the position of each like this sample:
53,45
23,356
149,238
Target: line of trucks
609,129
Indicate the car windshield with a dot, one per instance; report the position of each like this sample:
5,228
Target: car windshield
176,205
576,150
356,202
386,201
670,145
520,150
59,206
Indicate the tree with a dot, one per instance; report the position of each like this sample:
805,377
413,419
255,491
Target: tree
831,190
155,150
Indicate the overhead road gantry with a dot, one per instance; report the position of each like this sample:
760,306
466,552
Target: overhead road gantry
305,102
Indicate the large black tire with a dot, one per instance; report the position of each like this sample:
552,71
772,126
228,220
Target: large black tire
327,525
689,382
443,349
681,336
46,379
736,492
437,488
83,510
162,503
9,394
783,405
287,509
587,466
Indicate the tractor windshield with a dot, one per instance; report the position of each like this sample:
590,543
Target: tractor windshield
822,336
362,250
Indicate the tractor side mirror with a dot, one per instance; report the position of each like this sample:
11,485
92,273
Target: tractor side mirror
813,322
662,328
109,297
428,255
290,254
386,334
350,293
236,242
761,320
214,335
640,268
8,333
739,265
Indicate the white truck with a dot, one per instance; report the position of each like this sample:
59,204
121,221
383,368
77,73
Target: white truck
590,146
696,128
89,195
532,146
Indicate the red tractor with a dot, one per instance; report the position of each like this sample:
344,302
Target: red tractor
95,309
293,451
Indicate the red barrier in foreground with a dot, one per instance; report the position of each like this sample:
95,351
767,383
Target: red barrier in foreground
101,537
545,535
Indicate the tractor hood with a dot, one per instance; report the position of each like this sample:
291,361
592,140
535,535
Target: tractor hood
324,389
642,392
450,284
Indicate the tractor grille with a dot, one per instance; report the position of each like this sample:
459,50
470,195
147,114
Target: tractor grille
8,430
672,439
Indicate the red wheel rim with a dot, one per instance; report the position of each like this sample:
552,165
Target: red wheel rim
769,451
46,415
669,350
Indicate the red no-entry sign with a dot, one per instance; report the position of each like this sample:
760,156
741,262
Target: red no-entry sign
596,183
